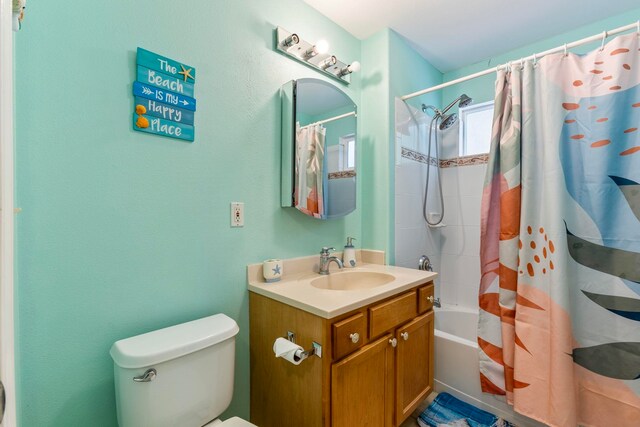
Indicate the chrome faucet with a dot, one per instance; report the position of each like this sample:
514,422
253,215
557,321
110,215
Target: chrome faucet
325,260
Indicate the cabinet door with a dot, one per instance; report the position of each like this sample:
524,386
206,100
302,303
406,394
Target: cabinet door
414,380
362,386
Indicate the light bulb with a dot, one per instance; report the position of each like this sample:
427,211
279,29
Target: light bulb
354,67
321,47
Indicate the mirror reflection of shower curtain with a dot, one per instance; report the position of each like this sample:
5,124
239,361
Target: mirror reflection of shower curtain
309,182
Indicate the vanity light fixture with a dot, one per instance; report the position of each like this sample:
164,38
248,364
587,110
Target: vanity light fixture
314,55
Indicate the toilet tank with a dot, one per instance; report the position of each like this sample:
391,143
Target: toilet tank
193,381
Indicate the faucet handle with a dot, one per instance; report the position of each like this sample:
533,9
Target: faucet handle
325,250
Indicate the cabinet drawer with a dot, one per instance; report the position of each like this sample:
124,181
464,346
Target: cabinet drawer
425,298
389,314
348,335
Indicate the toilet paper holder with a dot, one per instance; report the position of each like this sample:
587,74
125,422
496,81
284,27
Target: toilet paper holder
315,350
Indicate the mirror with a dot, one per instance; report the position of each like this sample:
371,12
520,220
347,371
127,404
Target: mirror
319,123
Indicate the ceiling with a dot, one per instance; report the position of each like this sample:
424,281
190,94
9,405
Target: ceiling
453,33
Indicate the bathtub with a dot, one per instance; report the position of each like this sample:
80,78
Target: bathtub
456,363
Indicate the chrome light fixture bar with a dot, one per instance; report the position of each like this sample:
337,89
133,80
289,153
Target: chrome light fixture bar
314,55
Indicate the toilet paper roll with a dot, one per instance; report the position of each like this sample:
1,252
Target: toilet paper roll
288,351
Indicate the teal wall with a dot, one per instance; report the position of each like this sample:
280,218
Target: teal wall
482,89
391,68
122,232
374,142
410,72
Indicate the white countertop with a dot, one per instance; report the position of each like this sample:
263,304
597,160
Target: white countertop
295,288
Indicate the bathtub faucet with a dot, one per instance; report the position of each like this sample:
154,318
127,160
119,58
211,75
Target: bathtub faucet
436,303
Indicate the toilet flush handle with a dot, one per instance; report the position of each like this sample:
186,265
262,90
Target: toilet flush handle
148,376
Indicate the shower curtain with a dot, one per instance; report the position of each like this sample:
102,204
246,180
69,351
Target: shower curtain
309,173
559,329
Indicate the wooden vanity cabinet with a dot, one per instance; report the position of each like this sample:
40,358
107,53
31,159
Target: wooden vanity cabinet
362,386
414,368
376,365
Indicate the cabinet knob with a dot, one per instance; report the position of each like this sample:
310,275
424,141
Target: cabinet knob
405,335
355,337
430,299
393,342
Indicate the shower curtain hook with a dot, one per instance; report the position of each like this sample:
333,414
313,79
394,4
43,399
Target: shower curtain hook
604,38
535,59
522,63
565,50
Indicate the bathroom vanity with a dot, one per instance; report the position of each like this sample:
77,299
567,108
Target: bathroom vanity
375,327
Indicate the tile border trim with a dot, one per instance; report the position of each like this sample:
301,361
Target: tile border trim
342,174
416,156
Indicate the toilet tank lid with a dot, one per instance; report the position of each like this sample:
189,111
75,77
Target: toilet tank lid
175,341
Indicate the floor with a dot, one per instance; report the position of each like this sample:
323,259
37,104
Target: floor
411,421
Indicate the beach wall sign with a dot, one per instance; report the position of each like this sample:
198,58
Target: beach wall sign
164,102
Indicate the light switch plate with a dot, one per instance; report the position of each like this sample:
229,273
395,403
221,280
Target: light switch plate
237,214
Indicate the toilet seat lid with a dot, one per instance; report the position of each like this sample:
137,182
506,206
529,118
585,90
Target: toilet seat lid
236,422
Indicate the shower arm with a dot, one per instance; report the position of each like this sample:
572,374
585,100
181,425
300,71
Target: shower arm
448,107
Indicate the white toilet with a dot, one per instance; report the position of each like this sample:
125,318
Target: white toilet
181,376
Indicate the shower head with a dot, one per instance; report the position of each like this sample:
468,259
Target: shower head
463,100
447,121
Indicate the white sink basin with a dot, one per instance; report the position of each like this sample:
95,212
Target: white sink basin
352,280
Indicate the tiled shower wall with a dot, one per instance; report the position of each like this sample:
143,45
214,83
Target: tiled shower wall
454,248
412,237
460,239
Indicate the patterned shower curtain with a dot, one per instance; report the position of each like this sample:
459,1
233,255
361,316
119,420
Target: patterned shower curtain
559,329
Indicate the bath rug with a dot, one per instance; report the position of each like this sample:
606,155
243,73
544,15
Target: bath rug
446,410
457,423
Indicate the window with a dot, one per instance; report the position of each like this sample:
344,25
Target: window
347,159
475,128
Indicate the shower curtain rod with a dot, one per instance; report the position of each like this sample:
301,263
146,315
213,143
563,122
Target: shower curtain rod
602,36
342,116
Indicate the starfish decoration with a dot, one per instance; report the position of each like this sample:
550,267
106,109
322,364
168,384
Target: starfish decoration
276,270
186,73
